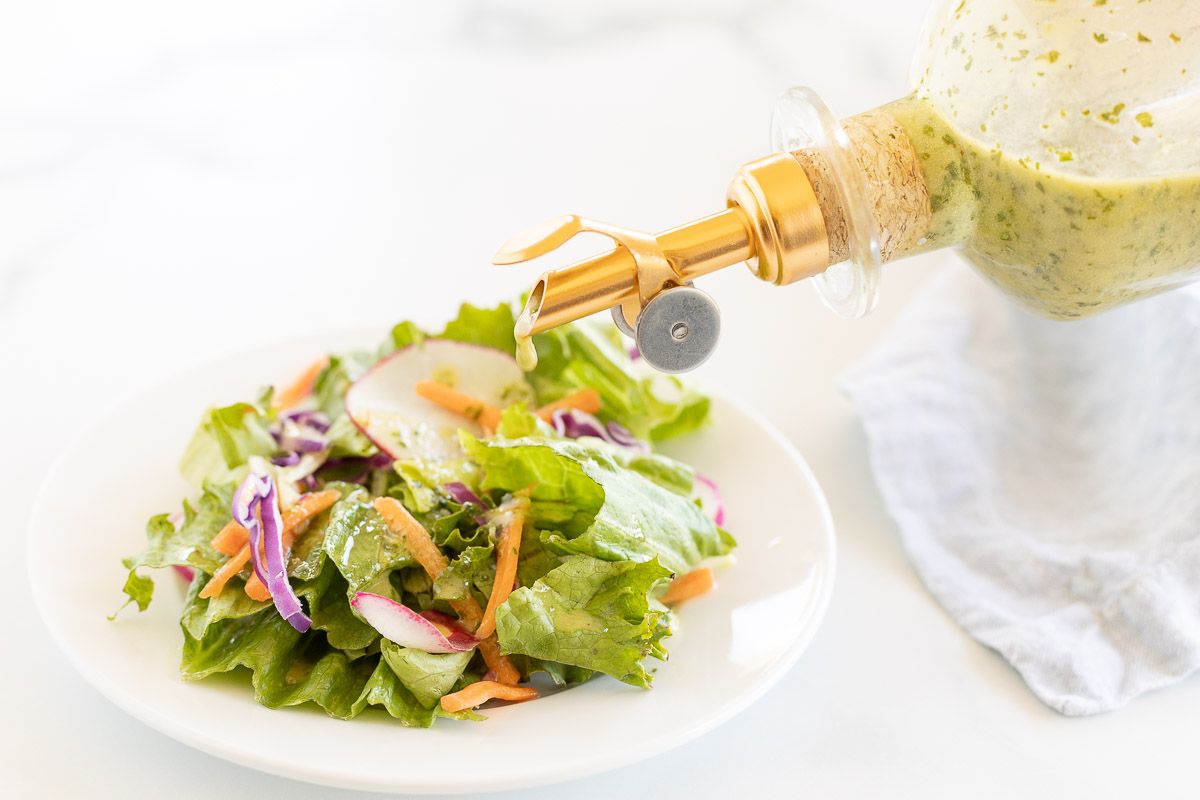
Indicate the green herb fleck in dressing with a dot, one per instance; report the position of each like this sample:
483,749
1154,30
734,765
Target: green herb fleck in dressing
1065,245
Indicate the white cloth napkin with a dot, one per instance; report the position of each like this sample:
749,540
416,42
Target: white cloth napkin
1045,478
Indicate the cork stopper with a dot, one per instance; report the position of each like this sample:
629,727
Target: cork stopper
895,188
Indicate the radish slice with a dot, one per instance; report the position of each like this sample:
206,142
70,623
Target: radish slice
451,628
384,404
400,624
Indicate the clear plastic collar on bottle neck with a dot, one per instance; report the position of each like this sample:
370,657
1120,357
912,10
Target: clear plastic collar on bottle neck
801,121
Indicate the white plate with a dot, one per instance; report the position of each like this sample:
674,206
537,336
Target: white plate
732,646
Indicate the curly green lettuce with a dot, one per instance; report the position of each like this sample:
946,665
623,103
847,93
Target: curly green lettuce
607,528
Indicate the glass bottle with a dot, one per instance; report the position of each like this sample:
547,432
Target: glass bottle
1055,145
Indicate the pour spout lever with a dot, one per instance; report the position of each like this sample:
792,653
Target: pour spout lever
772,221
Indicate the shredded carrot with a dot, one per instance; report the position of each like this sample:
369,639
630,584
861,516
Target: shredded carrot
426,552
227,570
302,387
500,664
303,510
294,519
480,692
462,404
685,587
232,538
256,589
508,549
419,542
307,507
584,400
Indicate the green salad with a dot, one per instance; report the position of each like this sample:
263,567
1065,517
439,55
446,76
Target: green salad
426,528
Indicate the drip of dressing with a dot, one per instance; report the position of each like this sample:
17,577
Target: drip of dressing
527,357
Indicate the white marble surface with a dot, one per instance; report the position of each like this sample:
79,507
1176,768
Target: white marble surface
359,160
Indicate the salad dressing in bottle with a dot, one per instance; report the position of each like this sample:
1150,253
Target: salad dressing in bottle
1055,145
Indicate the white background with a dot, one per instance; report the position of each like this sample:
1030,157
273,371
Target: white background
179,183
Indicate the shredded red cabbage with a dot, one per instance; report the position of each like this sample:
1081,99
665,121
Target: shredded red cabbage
463,495
302,432
311,419
619,434
289,460
300,442
256,508
573,423
353,469
379,461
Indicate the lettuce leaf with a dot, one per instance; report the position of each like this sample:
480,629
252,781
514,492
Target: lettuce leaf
517,422
345,440
490,327
329,608
588,613
666,472
308,551
384,688
226,438
199,613
428,676
591,502
421,489
289,669
536,558
474,567
273,651
404,334
606,525
329,389
188,545
307,558
561,674
362,546
579,356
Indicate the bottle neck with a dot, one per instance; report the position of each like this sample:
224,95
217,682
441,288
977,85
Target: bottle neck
892,187
863,196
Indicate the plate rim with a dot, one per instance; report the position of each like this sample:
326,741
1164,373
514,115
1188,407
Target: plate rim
600,762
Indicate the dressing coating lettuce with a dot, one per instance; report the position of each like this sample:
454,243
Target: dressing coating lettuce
591,498
607,528
589,613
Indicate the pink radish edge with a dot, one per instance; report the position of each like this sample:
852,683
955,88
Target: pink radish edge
400,624
713,492
382,363
451,628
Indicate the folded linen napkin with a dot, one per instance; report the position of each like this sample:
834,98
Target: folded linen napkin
1045,479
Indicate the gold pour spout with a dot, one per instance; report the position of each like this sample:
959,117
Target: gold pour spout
773,222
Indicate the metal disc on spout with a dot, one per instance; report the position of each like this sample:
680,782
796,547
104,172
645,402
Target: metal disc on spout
678,330
618,316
